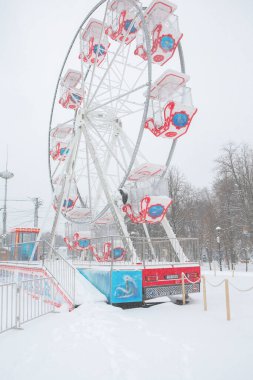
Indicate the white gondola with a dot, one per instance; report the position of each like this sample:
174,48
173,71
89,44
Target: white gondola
71,96
94,44
171,109
113,249
72,207
122,21
148,199
79,213
109,253
106,219
60,137
81,241
164,32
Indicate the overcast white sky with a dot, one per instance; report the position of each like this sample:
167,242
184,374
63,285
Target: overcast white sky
34,38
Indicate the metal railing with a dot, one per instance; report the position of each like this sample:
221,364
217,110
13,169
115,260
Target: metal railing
23,251
25,301
62,271
149,252
56,265
8,306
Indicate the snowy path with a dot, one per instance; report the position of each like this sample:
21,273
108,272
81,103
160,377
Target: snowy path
97,341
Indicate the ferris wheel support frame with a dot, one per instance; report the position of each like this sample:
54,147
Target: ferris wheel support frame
113,208
111,204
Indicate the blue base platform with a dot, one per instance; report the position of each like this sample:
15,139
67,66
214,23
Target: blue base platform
119,286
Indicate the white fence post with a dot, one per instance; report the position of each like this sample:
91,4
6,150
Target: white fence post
18,306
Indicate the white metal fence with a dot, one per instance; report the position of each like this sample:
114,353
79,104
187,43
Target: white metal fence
47,257
8,306
24,301
63,272
153,251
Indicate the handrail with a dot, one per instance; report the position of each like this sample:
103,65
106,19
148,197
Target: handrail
63,271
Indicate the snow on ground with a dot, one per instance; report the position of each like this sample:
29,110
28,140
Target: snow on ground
166,341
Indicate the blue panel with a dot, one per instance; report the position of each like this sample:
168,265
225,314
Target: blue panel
26,250
180,119
123,286
167,43
100,279
22,250
126,286
155,211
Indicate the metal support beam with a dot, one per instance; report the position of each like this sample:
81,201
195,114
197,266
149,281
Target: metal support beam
118,218
173,240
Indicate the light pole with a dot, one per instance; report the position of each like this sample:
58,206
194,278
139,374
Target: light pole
218,230
5,175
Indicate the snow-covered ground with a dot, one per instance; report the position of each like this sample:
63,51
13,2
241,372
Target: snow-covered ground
166,341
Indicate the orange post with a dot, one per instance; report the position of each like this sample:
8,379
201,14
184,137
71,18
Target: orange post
227,300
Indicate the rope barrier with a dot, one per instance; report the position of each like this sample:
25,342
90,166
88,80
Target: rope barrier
241,290
215,285
233,286
227,283
191,282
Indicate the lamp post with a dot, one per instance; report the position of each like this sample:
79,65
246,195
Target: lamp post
218,230
5,175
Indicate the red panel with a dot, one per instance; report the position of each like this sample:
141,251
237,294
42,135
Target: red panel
169,276
19,229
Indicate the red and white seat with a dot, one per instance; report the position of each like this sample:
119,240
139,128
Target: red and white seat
60,138
148,201
116,253
152,209
71,96
171,110
121,21
164,32
94,43
69,201
81,241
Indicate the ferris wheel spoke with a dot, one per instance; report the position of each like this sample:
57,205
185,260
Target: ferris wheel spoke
126,110
96,58
126,114
128,143
136,82
118,97
109,81
93,176
130,103
122,151
89,179
122,44
117,74
107,145
105,169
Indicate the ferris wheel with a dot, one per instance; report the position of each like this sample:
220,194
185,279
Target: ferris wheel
118,109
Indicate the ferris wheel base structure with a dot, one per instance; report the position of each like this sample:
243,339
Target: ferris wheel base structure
133,285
